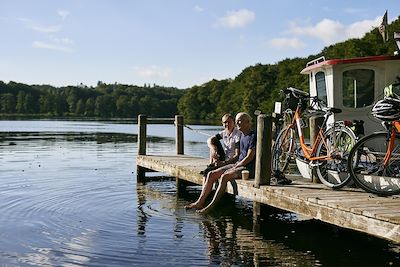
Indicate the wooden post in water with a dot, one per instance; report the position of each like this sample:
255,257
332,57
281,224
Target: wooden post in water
315,124
179,134
180,185
263,151
141,140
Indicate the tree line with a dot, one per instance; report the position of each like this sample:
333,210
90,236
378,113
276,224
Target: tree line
104,100
255,88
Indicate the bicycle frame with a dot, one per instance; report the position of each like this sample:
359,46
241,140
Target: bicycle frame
309,151
394,130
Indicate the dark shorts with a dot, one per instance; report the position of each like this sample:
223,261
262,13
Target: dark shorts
233,168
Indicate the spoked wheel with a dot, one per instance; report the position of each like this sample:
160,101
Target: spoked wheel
367,167
283,149
338,142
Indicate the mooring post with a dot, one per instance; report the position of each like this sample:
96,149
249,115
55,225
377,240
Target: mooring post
142,136
263,151
315,124
179,134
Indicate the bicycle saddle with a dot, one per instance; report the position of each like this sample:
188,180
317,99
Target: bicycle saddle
296,92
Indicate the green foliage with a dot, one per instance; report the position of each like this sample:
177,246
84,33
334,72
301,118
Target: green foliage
106,101
258,86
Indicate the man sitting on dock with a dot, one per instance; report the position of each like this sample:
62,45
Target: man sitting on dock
246,161
224,146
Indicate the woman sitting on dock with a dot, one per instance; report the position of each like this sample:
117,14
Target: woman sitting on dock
224,146
246,161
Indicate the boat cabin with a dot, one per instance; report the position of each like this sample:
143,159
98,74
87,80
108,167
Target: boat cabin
353,85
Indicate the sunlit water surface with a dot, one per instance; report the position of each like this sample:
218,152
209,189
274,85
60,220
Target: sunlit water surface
69,197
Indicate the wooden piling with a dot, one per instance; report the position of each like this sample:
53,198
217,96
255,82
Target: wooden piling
142,136
179,134
263,151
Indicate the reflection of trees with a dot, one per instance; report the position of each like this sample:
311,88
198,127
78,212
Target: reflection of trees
230,244
141,215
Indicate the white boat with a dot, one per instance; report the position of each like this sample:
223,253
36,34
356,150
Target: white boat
353,85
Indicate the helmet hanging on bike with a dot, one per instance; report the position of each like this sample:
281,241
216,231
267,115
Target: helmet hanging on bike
387,109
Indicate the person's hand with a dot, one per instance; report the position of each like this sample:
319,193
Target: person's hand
215,155
219,163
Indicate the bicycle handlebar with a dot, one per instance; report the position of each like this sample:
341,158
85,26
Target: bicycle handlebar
316,103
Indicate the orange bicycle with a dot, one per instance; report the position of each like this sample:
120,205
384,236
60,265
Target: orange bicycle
374,161
328,154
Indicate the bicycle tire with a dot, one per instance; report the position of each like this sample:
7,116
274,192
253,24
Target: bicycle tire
283,149
366,169
333,172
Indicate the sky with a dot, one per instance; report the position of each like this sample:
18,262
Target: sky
179,43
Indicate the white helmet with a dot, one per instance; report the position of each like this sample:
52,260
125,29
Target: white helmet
387,109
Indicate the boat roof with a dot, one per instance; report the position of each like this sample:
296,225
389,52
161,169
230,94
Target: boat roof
320,62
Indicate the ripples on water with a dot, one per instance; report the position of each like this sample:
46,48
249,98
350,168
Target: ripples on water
73,200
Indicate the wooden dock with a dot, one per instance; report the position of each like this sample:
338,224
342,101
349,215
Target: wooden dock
349,207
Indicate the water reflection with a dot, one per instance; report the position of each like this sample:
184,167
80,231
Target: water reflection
72,200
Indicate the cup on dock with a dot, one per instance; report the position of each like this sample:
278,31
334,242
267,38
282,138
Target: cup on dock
245,174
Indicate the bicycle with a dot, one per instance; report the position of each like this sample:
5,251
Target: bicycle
329,152
374,161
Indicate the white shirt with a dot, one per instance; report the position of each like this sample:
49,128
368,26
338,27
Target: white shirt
229,142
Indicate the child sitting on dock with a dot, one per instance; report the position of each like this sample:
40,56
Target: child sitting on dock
246,160
224,146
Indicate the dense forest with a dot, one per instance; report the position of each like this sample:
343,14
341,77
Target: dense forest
103,101
256,87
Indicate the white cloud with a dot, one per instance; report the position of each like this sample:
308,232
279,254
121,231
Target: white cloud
52,46
63,13
330,31
198,8
40,28
237,19
283,43
153,72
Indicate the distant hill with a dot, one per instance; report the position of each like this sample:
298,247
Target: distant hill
258,86
102,101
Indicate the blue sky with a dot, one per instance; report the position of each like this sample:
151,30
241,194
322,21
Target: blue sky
169,42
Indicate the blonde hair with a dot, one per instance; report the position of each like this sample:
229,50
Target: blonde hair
227,116
245,115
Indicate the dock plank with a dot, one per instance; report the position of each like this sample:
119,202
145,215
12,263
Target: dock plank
350,207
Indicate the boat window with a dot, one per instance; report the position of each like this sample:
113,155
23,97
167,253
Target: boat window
321,86
358,88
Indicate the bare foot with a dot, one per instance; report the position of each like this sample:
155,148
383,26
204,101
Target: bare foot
203,210
194,205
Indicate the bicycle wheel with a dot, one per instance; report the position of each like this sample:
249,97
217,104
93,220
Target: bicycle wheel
283,149
338,141
366,164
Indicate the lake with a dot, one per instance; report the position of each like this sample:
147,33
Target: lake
69,197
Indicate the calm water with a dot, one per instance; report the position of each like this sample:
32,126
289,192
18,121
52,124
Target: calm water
69,197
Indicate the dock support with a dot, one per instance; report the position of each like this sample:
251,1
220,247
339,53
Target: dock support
263,155
179,134
142,135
